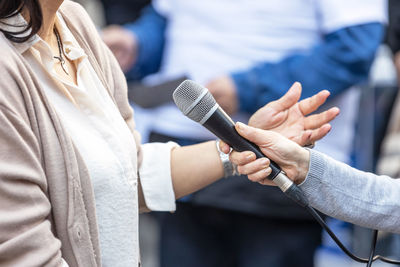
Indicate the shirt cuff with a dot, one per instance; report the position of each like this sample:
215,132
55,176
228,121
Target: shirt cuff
155,176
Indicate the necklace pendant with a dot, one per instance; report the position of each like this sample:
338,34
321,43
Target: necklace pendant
60,50
64,67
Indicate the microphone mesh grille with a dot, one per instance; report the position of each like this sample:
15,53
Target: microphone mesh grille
202,108
187,94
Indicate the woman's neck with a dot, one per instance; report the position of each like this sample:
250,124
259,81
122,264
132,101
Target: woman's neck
49,10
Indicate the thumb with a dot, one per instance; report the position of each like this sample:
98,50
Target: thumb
262,138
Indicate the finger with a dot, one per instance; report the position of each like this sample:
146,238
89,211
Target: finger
317,120
311,136
320,133
254,166
257,136
267,181
242,158
224,147
260,175
311,104
289,99
304,139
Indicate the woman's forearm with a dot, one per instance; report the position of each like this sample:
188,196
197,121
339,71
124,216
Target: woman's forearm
343,192
194,167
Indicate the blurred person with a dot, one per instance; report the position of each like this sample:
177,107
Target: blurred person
73,174
332,187
246,53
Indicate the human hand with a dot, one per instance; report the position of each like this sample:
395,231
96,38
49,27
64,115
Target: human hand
122,43
224,91
288,117
292,158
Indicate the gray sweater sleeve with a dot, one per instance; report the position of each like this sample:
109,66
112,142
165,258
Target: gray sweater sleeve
343,192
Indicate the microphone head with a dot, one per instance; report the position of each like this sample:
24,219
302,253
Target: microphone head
195,101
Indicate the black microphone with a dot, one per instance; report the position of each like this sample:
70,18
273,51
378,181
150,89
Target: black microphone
197,103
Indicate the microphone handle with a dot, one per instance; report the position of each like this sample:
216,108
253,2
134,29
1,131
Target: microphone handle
223,127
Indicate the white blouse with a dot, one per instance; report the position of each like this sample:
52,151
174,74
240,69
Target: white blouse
107,146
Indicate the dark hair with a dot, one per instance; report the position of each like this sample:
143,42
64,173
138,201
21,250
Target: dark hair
10,8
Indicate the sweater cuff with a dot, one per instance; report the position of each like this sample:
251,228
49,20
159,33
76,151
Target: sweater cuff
311,185
155,176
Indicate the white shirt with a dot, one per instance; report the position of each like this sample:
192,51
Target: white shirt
209,38
107,146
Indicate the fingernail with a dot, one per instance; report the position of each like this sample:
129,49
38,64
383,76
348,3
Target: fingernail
240,126
250,155
268,170
265,162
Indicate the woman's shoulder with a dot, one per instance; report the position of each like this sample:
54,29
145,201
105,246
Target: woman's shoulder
85,32
72,7
78,20
14,77
10,63
8,56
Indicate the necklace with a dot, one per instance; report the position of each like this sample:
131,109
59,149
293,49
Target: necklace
61,52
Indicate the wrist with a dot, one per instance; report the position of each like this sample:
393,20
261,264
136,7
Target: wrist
229,169
303,165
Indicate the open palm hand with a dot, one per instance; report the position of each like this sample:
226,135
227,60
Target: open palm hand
291,118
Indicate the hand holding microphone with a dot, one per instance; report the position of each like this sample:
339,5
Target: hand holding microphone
291,157
286,117
199,105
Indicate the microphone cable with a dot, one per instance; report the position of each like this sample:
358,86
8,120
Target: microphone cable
296,194
199,105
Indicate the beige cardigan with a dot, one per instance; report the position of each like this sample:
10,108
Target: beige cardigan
47,208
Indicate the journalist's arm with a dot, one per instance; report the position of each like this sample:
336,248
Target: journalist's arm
332,187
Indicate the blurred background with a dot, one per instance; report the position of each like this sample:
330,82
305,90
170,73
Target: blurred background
248,53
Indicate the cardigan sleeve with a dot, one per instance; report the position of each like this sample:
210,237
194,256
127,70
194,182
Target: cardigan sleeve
26,237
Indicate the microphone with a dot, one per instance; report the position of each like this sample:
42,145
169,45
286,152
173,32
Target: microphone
197,103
